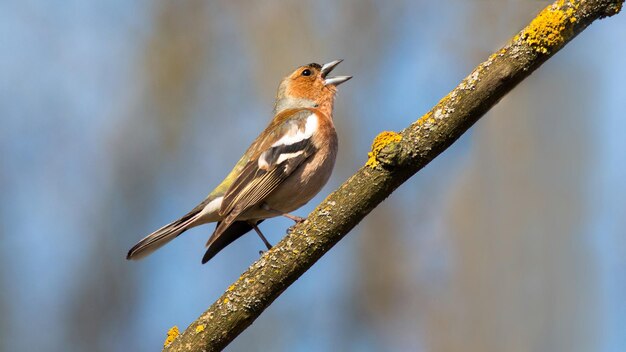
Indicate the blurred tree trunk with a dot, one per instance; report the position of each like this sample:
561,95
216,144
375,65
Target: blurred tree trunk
522,272
516,219
168,66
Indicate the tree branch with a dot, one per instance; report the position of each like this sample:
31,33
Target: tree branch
394,158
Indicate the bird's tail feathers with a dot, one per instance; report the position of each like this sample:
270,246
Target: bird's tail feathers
162,236
228,235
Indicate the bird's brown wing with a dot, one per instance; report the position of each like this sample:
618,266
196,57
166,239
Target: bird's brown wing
285,147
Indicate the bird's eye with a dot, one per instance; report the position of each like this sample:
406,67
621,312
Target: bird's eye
306,72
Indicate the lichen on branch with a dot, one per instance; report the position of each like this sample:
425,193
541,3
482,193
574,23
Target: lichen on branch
551,27
172,334
383,140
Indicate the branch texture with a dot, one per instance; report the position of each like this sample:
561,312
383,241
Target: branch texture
394,158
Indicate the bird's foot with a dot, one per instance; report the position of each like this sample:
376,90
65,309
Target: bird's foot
295,218
261,252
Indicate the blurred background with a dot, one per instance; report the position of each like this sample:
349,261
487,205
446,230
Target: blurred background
118,117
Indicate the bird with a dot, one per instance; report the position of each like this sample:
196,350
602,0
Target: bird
283,169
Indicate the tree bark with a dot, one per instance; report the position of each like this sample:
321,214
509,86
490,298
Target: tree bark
394,158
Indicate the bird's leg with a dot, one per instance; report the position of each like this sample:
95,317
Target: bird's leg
267,243
295,218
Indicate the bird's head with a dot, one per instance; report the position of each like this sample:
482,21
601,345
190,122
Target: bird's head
309,86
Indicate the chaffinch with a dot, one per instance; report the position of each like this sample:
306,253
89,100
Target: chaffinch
286,166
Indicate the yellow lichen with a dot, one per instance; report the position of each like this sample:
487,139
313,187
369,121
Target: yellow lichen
172,334
380,142
551,27
424,118
226,300
231,287
200,328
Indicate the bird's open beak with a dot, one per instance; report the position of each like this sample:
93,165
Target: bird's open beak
337,80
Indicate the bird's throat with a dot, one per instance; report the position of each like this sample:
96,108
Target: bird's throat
292,103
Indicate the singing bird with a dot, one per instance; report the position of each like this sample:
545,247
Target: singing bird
286,166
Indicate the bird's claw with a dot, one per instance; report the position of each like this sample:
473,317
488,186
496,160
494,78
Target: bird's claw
298,219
